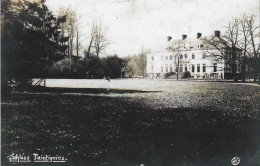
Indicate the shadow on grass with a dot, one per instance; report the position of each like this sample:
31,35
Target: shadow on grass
41,89
94,130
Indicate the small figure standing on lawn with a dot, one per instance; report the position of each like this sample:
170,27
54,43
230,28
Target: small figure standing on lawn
108,78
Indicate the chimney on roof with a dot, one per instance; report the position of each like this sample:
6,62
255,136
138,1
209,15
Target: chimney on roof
184,37
217,34
198,35
169,38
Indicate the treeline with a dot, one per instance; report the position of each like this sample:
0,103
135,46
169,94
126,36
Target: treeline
91,67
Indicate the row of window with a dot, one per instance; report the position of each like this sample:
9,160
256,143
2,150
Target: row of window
238,55
185,68
203,68
185,56
228,68
183,46
198,68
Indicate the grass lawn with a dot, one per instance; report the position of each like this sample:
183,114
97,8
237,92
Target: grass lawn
158,123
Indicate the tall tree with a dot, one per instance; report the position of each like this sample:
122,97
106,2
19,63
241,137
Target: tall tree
87,53
254,32
31,40
141,63
243,43
69,29
226,45
100,41
78,35
178,49
77,41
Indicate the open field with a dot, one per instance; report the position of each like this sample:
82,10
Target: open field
129,122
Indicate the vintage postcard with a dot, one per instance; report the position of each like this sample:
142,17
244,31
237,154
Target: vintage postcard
130,82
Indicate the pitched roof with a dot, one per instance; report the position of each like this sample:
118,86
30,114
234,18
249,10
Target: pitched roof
203,42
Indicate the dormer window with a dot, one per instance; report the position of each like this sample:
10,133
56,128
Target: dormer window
200,45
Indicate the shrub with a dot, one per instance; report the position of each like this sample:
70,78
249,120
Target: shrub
186,74
169,74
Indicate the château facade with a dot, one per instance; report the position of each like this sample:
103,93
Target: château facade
193,55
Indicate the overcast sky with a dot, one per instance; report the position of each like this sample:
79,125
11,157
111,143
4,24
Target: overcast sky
132,24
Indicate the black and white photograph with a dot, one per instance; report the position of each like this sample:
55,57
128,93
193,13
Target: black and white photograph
130,82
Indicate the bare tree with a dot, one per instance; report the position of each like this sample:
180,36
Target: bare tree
77,42
69,29
178,49
99,39
243,43
87,54
254,34
78,34
226,45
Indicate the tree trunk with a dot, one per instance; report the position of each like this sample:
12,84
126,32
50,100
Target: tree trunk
77,43
249,72
234,66
244,69
44,82
89,47
257,69
70,64
234,73
70,53
178,68
97,53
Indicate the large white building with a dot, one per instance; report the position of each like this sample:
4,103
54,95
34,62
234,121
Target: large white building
193,55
